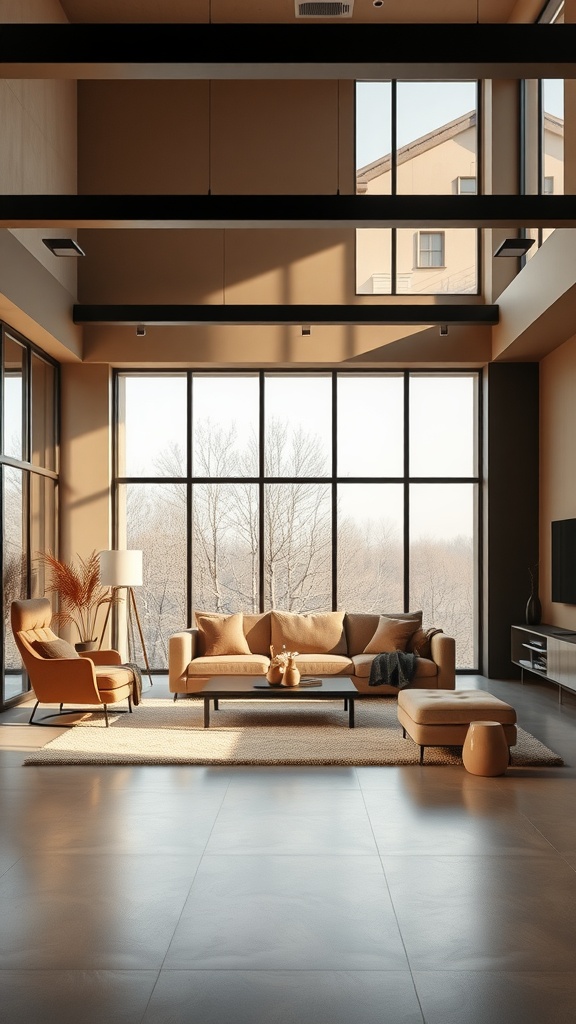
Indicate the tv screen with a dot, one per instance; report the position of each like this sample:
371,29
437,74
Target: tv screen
564,561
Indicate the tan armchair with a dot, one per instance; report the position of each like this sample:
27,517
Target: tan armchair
59,675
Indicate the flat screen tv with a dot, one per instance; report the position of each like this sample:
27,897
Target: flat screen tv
564,561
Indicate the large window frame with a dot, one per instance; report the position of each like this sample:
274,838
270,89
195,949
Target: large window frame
38,475
330,479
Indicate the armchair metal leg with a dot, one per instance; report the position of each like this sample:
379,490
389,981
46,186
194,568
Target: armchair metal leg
106,715
129,703
54,714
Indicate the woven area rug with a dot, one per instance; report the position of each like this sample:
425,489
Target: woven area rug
248,732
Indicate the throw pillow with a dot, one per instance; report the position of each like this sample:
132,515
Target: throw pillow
222,634
420,642
313,633
390,635
54,649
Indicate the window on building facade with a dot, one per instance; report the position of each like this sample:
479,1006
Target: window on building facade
466,186
274,493
416,138
28,482
430,249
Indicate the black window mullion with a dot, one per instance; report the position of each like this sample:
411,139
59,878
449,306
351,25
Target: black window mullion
261,492
189,501
334,492
406,491
393,182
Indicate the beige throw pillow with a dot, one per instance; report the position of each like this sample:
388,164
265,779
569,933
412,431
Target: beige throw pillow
391,635
54,649
222,634
314,633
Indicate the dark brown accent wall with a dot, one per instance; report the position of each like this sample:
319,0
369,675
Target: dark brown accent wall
510,472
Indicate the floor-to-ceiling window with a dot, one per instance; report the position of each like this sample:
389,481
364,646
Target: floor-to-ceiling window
417,138
28,464
301,491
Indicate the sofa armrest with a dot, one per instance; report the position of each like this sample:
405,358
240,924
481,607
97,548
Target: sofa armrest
181,650
443,650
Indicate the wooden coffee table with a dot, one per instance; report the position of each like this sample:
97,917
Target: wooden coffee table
256,688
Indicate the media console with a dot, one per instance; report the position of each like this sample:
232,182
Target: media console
548,652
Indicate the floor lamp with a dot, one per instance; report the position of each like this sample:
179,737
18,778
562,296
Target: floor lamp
122,570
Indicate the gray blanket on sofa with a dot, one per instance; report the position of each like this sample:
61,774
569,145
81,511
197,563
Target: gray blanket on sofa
395,668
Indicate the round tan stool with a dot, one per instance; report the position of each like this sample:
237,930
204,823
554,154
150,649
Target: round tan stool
485,750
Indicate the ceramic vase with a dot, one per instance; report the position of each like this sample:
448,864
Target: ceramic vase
291,674
533,610
274,674
485,750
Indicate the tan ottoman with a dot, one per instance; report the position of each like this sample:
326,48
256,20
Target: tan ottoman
440,718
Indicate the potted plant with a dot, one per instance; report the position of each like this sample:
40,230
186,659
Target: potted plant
80,593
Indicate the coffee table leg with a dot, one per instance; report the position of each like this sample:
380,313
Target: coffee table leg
206,712
351,713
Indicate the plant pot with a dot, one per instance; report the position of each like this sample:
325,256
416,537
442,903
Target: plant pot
86,645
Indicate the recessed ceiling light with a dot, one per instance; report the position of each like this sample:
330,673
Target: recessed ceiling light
514,247
63,247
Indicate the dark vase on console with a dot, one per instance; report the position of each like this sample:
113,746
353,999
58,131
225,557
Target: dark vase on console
533,607
533,610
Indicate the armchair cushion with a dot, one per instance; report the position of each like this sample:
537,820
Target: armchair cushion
54,649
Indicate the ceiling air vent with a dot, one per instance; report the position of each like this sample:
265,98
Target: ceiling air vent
323,10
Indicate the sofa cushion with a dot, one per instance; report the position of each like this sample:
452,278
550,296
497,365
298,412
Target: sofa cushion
362,664
311,633
257,632
230,665
54,649
390,635
420,642
361,626
222,634
324,665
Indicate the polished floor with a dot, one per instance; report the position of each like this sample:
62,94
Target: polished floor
187,895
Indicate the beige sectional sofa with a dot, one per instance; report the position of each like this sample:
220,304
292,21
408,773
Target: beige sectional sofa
329,644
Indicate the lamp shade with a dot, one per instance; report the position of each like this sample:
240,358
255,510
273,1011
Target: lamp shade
121,568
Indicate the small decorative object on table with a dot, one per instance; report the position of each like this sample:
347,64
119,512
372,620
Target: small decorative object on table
283,671
291,672
275,670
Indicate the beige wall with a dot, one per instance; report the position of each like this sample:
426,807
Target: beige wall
557,461
85,500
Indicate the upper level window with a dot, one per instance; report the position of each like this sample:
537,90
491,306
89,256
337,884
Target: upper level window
417,138
548,188
430,249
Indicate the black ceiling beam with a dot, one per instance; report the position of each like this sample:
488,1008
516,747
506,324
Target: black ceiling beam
208,50
206,315
194,211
